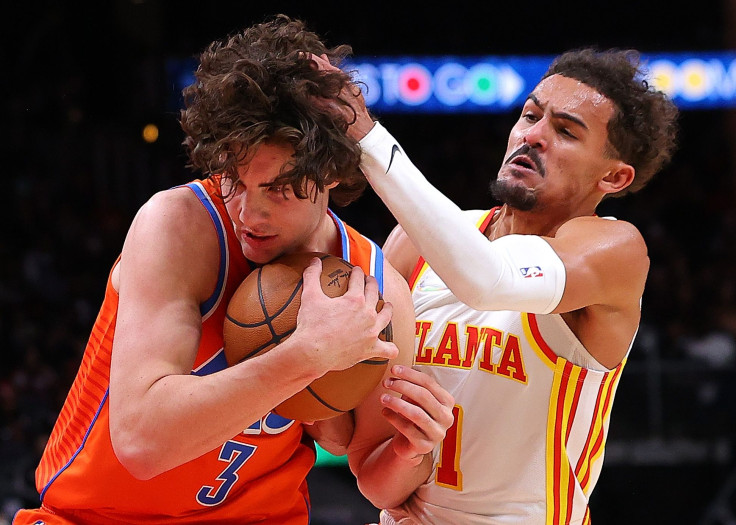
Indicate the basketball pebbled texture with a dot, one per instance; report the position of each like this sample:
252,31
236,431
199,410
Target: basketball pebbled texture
262,313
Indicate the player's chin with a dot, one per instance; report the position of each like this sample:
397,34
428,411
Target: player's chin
262,255
512,173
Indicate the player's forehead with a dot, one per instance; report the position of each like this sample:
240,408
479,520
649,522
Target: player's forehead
560,94
264,162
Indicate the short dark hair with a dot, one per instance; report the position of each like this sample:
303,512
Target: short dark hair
643,129
260,86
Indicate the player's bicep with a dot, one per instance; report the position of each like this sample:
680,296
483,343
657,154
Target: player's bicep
158,324
606,263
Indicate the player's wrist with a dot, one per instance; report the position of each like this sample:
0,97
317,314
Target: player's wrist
362,126
376,146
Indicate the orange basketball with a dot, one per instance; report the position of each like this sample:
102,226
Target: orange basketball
262,313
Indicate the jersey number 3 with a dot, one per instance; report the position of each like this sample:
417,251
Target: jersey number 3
448,470
234,454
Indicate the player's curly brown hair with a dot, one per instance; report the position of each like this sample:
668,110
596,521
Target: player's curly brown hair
260,85
643,130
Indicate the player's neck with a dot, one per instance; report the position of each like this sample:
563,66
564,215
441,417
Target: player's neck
509,221
326,238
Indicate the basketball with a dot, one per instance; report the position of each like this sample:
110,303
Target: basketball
262,313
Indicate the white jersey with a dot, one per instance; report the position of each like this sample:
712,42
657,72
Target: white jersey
531,414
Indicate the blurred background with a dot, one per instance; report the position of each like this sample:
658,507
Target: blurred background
81,81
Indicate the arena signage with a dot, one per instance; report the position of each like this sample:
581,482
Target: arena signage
496,84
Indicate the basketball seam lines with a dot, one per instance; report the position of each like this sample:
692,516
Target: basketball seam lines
275,340
325,403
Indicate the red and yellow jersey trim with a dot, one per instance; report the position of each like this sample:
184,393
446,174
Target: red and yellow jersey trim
421,265
595,442
536,341
568,383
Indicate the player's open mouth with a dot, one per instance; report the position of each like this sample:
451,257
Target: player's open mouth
524,162
255,238
527,159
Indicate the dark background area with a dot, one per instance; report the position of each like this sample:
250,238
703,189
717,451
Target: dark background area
81,79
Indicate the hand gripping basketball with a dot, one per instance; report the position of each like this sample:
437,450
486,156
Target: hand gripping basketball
263,312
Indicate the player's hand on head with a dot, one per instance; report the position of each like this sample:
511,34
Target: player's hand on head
343,330
355,112
421,414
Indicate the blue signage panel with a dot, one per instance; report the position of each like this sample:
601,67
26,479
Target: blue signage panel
447,84
453,84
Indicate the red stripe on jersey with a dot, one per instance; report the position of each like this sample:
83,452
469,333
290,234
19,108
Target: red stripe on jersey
416,272
586,448
576,399
611,377
534,327
559,448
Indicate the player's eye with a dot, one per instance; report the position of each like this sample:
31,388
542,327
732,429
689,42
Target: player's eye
279,191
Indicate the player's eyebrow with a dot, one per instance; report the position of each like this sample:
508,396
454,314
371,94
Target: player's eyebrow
559,114
271,183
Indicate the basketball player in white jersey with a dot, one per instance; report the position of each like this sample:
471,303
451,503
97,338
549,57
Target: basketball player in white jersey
525,313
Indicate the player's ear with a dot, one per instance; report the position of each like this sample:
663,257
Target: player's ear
619,177
331,185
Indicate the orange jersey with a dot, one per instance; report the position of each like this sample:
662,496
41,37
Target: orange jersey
258,475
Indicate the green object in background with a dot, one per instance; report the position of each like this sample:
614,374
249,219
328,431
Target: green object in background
325,459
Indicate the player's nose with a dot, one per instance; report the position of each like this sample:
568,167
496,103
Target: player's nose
536,135
252,209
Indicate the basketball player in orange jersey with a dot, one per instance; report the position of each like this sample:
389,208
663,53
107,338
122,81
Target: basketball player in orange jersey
156,427
526,313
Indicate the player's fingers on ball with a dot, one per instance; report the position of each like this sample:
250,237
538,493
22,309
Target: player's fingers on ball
384,349
312,275
314,268
371,283
371,289
356,283
385,315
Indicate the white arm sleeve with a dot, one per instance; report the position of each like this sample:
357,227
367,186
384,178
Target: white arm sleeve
516,272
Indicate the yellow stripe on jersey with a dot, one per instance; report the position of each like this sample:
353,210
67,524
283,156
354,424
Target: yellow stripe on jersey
531,331
596,438
564,397
419,275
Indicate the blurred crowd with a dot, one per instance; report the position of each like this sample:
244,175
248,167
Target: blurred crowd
80,170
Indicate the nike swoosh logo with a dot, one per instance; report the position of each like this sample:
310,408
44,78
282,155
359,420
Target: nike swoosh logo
394,150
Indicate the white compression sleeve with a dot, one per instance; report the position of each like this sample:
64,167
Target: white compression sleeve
515,272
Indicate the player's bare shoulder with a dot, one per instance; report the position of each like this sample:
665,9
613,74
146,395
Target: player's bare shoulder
613,250
172,211
173,234
611,235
